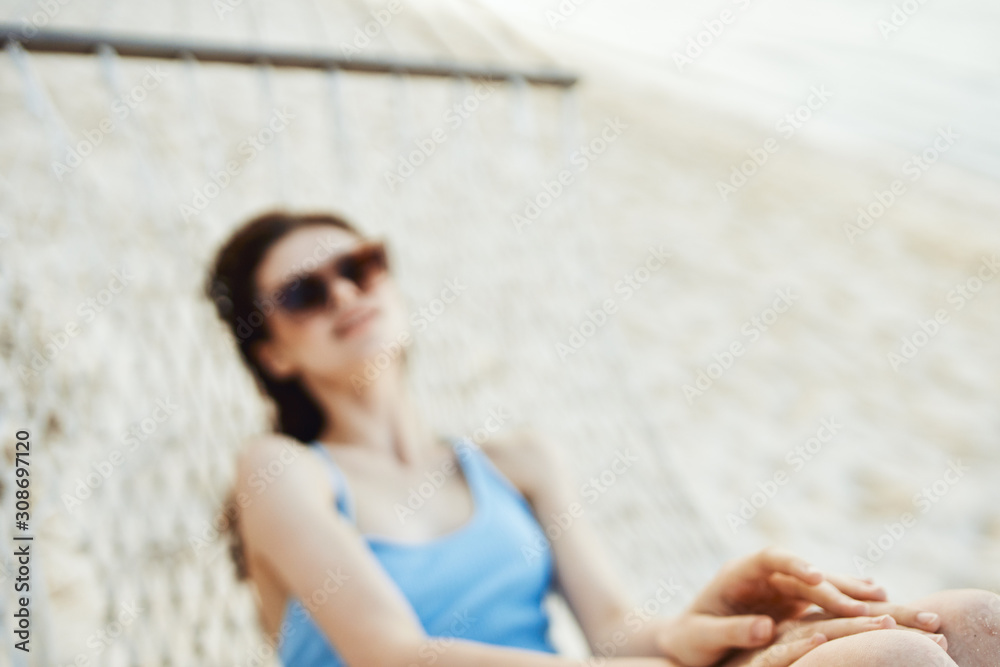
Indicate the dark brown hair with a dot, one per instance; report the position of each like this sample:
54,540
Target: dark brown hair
232,286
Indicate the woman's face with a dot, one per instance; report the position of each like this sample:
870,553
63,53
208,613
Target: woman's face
331,343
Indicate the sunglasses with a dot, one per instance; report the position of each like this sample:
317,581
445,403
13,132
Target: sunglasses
312,292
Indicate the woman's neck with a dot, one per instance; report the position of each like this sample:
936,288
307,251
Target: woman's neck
380,418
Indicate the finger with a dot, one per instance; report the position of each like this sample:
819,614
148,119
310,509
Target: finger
858,589
936,637
836,628
779,560
842,627
825,595
783,655
908,616
705,638
728,632
812,613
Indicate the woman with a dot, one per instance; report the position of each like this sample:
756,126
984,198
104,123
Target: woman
349,572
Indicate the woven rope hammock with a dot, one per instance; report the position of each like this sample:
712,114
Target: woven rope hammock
136,412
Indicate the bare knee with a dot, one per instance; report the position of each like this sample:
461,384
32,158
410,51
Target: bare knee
964,609
970,620
880,648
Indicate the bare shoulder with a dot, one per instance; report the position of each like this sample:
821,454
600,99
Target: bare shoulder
532,461
273,465
269,450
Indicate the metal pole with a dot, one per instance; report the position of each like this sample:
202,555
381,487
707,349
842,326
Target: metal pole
84,43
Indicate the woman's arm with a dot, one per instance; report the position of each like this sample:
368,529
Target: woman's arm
584,573
612,624
290,523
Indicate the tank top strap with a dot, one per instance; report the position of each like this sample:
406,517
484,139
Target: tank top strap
345,501
484,478
469,458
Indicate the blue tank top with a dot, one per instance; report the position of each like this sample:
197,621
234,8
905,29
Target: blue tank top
484,581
